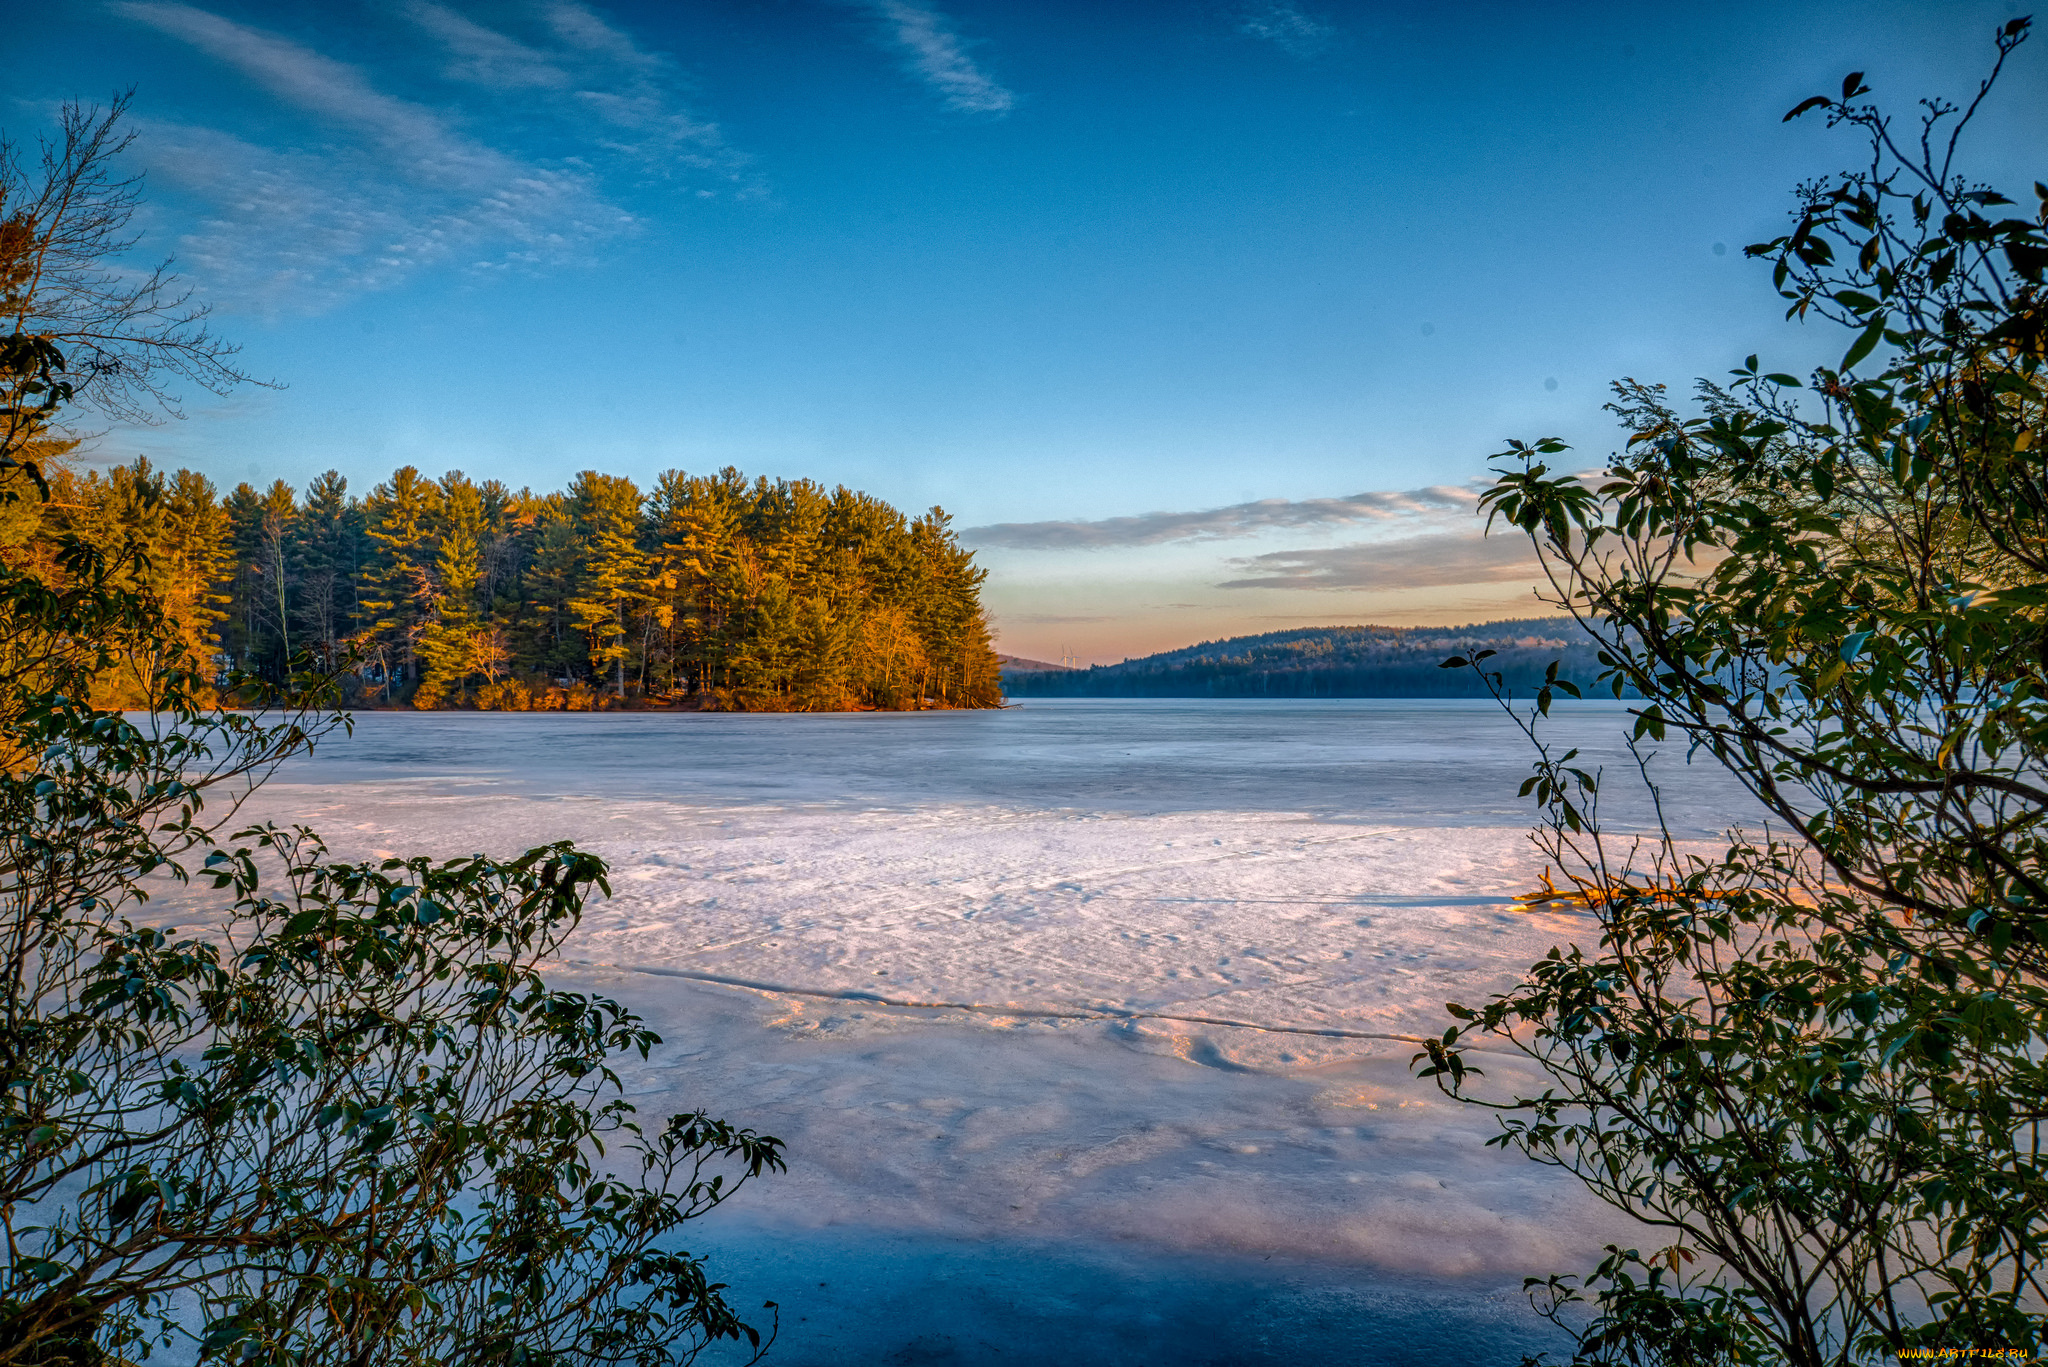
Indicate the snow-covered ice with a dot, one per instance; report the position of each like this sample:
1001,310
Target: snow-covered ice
1087,1022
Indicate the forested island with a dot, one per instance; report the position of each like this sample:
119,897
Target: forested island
1328,662
709,591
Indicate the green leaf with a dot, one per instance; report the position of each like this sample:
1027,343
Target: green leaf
1864,344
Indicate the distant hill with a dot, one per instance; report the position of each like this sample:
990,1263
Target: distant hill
1017,664
1329,662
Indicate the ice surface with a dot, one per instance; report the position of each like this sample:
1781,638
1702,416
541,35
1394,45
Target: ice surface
1066,1011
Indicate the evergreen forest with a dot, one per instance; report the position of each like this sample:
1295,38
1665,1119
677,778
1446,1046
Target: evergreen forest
709,591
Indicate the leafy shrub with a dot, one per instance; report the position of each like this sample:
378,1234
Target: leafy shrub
1814,1061
343,1119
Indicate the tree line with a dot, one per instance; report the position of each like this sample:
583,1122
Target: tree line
1330,662
706,591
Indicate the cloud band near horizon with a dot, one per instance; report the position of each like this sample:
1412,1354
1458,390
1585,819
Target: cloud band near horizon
1216,524
1434,560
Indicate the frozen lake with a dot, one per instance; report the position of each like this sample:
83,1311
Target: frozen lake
1083,1019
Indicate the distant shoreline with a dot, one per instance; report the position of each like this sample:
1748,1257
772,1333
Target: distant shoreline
1334,662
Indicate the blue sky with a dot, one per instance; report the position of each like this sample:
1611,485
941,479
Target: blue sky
1199,317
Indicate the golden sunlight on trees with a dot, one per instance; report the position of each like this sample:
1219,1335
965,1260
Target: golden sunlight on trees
716,592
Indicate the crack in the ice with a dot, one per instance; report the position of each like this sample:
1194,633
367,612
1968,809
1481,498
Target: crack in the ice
1108,1013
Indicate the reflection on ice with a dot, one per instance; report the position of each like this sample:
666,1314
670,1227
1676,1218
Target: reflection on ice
1430,763
977,969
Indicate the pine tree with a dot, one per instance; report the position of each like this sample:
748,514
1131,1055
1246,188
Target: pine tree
401,522
328,553
612,577
459,645
189,549
548,640
948,616
697,577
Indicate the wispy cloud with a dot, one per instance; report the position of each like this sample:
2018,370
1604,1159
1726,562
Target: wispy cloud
635,91
1286,27
1214,524
578,26
937,55
483,56
379,186
1414,562
316,84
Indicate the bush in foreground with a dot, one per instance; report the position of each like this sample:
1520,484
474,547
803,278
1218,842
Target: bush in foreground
344,1119
1813,1063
